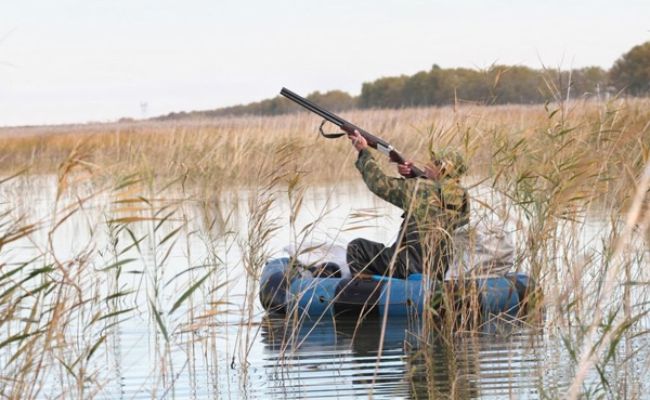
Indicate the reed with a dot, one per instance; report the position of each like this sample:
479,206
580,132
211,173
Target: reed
220,151
556,167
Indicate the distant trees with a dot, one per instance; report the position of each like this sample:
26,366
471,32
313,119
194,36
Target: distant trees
335,100
589,81
631,72
384,92
499,84
516,85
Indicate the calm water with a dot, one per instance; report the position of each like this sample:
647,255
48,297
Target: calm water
334,360
223,345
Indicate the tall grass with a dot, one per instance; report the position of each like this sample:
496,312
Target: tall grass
220,151
104,252
558,166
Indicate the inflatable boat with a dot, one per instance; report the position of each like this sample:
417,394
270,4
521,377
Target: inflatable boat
284,289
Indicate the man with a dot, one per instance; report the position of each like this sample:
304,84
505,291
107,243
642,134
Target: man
432,207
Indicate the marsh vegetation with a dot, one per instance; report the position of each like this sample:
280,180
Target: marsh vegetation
130,255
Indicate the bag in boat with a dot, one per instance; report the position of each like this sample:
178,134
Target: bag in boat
485,247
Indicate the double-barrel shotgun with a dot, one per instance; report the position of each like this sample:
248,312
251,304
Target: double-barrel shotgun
349,128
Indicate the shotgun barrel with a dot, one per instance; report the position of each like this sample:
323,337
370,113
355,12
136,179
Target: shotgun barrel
349,128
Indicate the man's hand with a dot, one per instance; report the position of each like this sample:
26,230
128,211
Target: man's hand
358,141
405,169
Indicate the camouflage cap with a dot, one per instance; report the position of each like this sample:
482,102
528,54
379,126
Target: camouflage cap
452,161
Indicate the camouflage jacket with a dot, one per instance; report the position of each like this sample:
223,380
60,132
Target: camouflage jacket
432,210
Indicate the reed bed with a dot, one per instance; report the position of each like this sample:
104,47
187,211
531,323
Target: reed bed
162,187
224,151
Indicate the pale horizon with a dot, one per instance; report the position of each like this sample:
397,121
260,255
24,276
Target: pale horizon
82,61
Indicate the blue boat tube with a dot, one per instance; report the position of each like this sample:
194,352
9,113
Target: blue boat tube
283,289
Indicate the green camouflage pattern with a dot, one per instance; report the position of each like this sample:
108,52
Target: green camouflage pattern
435,206
452,161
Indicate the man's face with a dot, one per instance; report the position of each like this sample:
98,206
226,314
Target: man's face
434,169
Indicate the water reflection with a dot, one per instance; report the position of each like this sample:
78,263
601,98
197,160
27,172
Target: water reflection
219,356
344,358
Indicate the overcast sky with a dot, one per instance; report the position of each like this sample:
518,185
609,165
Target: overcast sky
99,60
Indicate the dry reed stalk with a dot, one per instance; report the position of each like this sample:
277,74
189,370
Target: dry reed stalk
594,344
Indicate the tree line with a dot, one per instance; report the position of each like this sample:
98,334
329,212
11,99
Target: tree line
499,84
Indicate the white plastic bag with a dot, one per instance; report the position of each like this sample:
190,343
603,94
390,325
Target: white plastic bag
485,247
